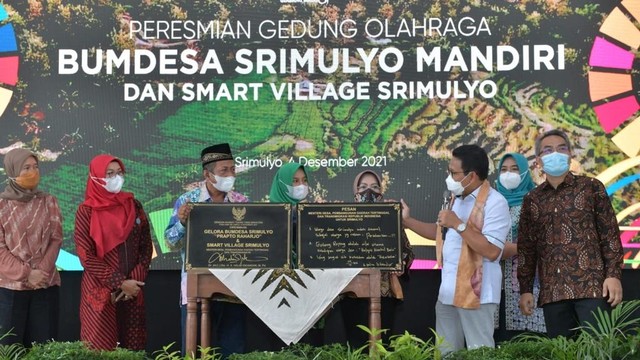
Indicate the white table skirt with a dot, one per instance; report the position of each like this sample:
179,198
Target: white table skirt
289,304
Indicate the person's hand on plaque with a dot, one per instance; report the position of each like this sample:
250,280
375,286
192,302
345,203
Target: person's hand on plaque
406,211
183,212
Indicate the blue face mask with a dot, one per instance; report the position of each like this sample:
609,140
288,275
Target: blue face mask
555,164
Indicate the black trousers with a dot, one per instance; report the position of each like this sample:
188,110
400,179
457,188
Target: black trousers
564,317
30,315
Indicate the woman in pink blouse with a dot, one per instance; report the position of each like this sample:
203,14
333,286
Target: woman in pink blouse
30,239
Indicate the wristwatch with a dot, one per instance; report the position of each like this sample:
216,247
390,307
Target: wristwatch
461,228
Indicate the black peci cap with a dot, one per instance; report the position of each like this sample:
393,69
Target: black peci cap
215,153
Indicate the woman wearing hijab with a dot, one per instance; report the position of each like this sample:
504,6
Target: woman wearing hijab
367,188
290,185
514,182
30,240
113,242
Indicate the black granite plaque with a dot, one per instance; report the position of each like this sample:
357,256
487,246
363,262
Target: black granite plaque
238,236
349,236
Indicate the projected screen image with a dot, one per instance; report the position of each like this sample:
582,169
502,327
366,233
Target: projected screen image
339,86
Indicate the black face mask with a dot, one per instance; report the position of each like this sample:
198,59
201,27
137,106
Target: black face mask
368,196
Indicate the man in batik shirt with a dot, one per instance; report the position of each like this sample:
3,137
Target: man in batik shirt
568,233
228,317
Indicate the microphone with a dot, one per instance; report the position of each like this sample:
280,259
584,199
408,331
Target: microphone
447,197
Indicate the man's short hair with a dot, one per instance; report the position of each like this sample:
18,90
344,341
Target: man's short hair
554,132
473,158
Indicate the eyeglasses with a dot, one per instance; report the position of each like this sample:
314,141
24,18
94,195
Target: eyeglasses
562,148
374,187
455,172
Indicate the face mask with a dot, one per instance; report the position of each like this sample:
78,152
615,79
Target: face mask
224,184
368,196
455,187
29,181
555,164
298,192
510,180
113,184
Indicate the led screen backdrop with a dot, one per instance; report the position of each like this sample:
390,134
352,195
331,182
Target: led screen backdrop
341,86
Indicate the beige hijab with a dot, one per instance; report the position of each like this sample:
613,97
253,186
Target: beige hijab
356,181
13,162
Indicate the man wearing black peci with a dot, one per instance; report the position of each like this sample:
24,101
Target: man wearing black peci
228,315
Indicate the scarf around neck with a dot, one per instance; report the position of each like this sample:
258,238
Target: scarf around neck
469,276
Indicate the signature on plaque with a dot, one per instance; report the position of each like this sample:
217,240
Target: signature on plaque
222,257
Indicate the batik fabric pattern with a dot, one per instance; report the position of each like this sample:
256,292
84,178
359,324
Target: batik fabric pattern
103,324
569,236
514,320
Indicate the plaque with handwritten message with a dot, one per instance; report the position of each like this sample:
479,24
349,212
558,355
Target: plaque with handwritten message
238,236
349,236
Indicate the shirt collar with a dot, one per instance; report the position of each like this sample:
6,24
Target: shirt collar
473,194
569,180
206,197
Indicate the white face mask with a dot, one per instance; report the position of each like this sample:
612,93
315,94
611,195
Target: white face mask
224,184
455,187
298,192
510,180
112,184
